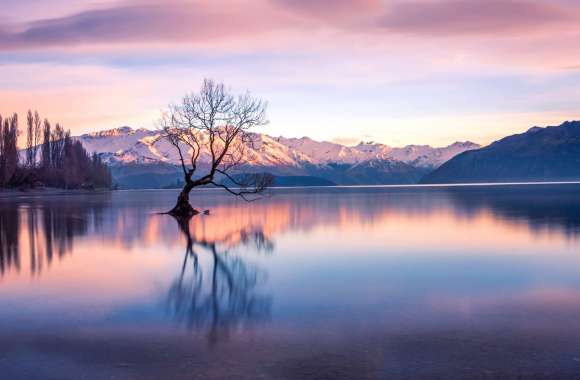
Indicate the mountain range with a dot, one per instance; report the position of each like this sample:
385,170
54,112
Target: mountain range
141,158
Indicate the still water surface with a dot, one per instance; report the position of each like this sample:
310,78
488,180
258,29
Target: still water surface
331,283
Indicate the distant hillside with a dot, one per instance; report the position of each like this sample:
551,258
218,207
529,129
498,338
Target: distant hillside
282,181
139,176
289,181
540,154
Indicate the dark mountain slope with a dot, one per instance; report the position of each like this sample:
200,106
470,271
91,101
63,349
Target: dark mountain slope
540,154
372,172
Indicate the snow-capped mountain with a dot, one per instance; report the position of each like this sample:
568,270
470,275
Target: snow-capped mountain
126,145
141,158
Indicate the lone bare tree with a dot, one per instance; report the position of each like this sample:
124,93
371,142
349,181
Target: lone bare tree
210,131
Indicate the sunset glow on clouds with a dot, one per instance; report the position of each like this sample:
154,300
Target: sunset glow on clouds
408,71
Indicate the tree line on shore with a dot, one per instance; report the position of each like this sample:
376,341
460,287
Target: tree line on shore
51,157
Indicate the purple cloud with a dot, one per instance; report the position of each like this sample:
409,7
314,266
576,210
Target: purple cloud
459,17
331,9
193,21
175,21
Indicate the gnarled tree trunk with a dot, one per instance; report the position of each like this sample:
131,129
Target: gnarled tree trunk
183,208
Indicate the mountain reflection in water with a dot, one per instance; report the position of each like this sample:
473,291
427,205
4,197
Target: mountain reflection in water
409,282
44,229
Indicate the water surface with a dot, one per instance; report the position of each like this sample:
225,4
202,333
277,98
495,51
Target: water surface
328,283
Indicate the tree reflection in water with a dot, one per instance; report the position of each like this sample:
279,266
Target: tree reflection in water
46,229
9,242
217,289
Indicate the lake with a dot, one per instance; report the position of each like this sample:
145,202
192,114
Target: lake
317,283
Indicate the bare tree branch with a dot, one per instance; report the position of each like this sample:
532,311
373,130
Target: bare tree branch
257,184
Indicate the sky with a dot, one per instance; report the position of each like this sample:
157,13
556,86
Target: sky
392,71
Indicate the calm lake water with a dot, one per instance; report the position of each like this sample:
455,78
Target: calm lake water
329,283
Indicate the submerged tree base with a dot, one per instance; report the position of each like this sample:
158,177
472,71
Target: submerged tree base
183,210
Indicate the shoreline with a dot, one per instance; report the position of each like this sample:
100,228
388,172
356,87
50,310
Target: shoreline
408,185
50,191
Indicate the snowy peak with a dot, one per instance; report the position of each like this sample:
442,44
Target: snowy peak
427,156
125,145
319,152
121,131
269,151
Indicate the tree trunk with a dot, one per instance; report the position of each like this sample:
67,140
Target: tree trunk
182,208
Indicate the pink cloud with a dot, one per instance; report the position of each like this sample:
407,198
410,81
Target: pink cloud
348,141
490,17
334,10
202,22
148,22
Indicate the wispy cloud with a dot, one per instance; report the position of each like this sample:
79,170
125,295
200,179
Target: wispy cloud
147,22
489,17
348,141
340,12
192,21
